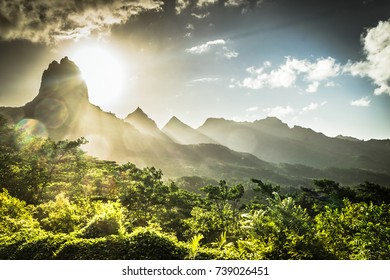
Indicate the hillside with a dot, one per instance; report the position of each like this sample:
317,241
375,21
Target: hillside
274,141
219,149
184,134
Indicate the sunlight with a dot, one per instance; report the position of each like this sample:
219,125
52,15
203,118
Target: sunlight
103,71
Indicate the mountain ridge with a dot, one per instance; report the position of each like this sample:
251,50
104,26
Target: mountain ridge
62,106
182,133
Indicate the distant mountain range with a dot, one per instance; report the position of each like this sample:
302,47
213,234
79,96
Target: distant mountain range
221,149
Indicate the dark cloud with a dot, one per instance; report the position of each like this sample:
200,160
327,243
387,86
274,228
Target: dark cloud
52,21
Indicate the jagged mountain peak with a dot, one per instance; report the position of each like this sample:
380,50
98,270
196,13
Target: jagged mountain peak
141,121
139,113
175,121
65,67
63,81
273,120
184,134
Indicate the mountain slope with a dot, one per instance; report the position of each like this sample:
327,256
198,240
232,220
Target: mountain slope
184,134
144,124
274,141
62,110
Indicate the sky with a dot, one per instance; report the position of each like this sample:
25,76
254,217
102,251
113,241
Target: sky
317,64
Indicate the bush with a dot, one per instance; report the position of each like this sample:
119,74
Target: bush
108,220
40,247
357,231
142,244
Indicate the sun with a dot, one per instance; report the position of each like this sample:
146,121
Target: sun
103,72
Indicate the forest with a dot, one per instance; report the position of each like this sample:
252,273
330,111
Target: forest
57,202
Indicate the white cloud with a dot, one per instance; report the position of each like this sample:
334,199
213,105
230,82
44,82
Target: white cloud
362,102
229,54
323,69
53,21
279,111
313,87
286,75
205,3
205,80
376,45
236,3
218,45
181,5
206,47
190,26
252,109
200,16
330,84
311,107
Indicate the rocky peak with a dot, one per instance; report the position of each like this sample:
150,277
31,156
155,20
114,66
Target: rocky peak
184,134
63,81
139,113
175,120
140,120
62,97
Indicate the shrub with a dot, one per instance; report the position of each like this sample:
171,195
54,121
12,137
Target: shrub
142,244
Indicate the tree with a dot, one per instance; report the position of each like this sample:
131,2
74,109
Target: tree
218,212
43,166
15,216
142,191
356,231
282,230
222,195
262,191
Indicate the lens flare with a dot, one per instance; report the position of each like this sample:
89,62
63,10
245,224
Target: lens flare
31,128
53,112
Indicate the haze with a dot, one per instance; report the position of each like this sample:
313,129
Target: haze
322,65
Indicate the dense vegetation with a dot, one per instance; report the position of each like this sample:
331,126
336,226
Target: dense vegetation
56,202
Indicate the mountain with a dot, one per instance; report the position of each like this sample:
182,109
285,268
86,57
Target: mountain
184,134
272,140
266,149
144,124
62,111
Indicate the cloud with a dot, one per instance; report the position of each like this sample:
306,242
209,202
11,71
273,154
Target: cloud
252,109
181,5
200,16
376,45
53,21
279,111
236,3
313,87
206,47
228,53
205,80
205,3
362,102
286,75
312,107
219,46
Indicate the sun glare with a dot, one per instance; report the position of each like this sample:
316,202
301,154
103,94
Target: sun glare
103,71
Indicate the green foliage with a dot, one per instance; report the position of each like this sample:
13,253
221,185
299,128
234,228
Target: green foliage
283,230
59,203
15,216
194,245
37,165
61,215
142,191
108,220
143,243
357,231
